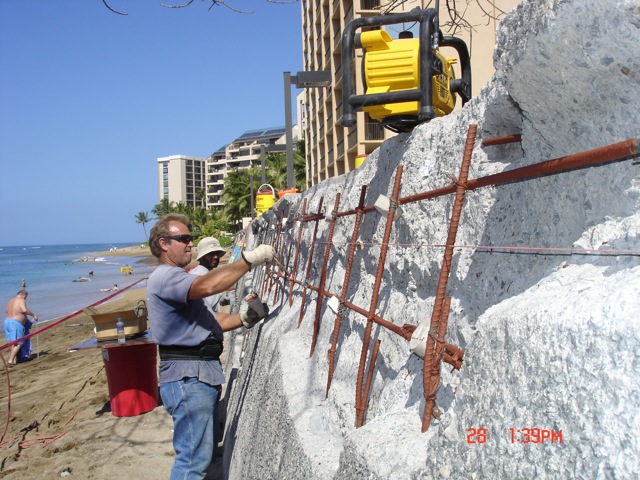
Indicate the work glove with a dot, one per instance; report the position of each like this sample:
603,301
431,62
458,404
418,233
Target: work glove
259,255
252,310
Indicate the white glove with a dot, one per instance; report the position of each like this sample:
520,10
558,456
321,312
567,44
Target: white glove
252,310
259,255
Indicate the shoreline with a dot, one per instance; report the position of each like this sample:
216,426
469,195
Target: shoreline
63,398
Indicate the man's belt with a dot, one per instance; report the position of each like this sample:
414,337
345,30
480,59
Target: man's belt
210,349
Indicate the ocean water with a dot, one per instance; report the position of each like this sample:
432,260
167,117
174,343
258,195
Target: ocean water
49,271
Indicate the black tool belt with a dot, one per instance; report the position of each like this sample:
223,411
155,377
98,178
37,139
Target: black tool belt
210,349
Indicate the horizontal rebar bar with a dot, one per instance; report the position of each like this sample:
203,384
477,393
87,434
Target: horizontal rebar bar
611,153
488,142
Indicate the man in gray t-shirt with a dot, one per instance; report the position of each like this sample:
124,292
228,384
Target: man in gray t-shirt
190,338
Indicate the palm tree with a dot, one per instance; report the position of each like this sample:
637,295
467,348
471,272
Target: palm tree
163,208
143,218
199,218
236,196
276,164
201,196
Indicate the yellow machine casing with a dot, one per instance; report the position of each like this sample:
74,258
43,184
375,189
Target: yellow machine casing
393,65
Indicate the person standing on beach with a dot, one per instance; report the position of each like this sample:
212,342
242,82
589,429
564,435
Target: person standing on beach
209,254
190,338
16,323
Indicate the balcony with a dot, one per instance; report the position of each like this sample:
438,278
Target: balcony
353,138
373,131
370,4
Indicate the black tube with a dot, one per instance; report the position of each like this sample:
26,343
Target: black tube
426,18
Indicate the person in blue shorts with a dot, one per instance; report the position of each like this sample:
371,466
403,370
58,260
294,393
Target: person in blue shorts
15,323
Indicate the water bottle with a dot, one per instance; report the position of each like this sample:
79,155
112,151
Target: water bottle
120,331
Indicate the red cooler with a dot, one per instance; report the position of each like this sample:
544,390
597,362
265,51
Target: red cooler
132,378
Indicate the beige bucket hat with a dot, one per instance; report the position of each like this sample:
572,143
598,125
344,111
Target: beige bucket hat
208,245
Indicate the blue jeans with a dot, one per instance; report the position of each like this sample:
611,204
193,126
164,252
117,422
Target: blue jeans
192,405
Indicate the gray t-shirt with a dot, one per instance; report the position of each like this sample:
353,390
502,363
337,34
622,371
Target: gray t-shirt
177,321
212,302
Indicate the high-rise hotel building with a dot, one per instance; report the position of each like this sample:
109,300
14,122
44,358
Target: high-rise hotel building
331,149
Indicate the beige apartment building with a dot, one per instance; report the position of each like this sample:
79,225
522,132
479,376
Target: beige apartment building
242,153
331,149
181,178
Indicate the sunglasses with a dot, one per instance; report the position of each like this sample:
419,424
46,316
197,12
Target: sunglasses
186,239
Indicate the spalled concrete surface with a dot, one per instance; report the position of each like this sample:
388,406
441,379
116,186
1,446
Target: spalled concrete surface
551,336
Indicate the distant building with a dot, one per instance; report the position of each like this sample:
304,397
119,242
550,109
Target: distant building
242,153
181,179
331,149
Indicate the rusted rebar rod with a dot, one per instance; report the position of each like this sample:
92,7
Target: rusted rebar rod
611,153
280,253
431,362
361,410
488,142
453,355
316,218
294,269
323,275
345,287
360,399
284,273
265,271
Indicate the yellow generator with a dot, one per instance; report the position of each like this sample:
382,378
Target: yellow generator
407,80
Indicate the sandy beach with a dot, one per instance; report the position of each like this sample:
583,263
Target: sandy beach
56,413
58,420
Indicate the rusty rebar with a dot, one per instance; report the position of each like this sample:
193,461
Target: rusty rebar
284,273
345,287
280,252
316,218
294,269
611,153
488,142
323,275
375,295
362,409
265,272
430,361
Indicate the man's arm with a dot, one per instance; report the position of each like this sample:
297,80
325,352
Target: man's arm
218,280
229,321
221,278
26,311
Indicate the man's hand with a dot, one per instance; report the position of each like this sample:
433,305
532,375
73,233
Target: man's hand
259,255
252,310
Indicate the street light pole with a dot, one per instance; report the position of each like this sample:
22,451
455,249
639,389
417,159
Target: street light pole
307,79
262,165
291,176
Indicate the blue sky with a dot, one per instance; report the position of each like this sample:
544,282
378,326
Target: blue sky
90,99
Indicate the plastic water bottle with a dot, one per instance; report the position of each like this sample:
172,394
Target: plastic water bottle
120,331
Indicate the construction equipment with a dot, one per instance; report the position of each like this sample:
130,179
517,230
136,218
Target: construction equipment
407,80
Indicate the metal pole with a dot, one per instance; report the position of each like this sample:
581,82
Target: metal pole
251,213
291,178
264,174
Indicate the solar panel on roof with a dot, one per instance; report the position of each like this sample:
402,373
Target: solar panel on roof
274,131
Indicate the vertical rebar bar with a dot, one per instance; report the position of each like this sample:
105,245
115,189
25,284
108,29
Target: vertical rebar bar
310,262
323,275
294,269
279,252
360,407
429,357
361,410
345,287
